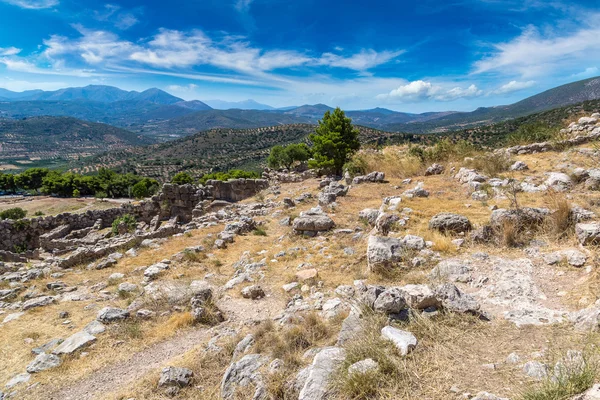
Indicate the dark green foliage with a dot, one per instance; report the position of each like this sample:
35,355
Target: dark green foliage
7,182
286,156
31,179
182,178
39,213
13,213
128,219
335,140
106,184
145,188
225,176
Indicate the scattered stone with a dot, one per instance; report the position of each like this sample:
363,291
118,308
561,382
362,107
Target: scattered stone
253,292
74,343
404,341
43,362
109,314
434,169
324,365
449,222
95,327
307,274
18,379
363,367
535,370
38,302
519,166
172,376
242,374
559,181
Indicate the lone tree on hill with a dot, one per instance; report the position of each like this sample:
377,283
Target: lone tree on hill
335,140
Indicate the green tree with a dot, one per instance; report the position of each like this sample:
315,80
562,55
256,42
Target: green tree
144,188
182,178
286,156
31,179
335,140
7,182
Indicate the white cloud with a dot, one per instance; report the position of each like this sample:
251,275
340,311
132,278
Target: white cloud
513,86
114,14
9,51
172,49
58,69
534,54
19,85
243,5
183,89
423,90
587,73
362,61
33,4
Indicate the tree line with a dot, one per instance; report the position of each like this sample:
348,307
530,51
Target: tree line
106,183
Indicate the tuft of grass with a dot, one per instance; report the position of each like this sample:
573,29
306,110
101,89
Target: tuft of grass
490,164
569,382
290,342
259,232
560,224
130,329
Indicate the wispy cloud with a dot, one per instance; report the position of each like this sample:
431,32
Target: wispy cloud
9,51
179,51
243,5
423,90
32,4
118,17
534,53
513,86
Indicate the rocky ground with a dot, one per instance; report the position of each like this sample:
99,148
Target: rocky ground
463,280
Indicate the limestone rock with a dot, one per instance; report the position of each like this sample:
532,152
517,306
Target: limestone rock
242,374
449,222
74,343
253,292
323,367
43,362
172,376
110,314
434,169
403,340
363,367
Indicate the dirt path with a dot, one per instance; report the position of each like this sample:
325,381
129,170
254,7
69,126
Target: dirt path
117,376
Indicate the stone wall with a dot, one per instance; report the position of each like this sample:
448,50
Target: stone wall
25,234
173,201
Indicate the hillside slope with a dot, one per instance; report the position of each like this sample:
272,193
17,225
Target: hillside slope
215,149
561,96
64,137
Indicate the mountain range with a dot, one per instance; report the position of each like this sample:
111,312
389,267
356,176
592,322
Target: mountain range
156,113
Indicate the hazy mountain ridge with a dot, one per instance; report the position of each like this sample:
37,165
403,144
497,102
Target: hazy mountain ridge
157,113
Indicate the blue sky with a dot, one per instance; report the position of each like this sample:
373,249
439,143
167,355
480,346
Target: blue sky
410,56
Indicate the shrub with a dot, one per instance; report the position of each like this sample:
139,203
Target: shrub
182,178
281,156
259,232
225,176
490,164
76,193
39,213
128,219
13,213
532,133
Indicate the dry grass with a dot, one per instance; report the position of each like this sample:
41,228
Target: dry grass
392,160
451,351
